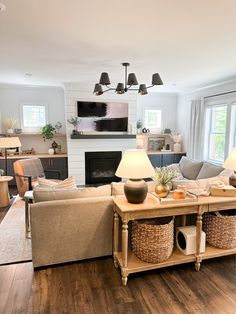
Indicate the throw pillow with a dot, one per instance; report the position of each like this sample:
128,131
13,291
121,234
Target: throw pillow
68,183
209,170
201,183
190,168
176,168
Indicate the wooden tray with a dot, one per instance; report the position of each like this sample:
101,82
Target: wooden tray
227,191
170,199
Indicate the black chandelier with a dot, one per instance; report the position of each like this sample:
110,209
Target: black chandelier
130,80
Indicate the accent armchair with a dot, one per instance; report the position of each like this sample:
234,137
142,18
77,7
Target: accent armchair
26,173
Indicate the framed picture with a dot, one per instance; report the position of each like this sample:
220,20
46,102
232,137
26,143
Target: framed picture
156,143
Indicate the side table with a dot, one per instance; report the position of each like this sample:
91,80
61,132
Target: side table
4,192
28,197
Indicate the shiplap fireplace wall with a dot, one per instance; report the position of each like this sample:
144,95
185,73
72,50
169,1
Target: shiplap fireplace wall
76,148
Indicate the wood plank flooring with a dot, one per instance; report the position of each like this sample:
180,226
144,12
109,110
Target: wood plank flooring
94,286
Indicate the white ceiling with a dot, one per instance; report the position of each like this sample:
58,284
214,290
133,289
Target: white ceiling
190,43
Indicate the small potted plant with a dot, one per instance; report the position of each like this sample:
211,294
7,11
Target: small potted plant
75,121
163,176
1,172
9,124
48,131
139,126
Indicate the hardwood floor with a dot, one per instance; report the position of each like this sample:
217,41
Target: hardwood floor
94,286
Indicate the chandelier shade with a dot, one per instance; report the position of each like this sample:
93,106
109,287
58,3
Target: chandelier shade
156,80
130,80
142,89
120,88
104,79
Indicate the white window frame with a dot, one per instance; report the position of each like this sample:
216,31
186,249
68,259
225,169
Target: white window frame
32,129
152,129
229,102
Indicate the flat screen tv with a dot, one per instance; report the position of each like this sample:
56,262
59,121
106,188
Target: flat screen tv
102,116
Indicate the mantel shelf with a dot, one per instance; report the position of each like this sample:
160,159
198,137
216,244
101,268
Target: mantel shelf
102,136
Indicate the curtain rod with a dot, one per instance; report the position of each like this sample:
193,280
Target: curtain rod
234,91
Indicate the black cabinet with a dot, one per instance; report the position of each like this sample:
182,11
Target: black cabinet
163,160
55,163
156,160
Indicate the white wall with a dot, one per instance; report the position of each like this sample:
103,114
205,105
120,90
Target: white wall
166,102
184,105
11,96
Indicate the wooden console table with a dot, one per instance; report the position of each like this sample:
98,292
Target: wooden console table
151,208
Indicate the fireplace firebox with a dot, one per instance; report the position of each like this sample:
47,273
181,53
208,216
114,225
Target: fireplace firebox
100,167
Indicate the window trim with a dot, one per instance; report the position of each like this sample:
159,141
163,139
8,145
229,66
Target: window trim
227,101
32,129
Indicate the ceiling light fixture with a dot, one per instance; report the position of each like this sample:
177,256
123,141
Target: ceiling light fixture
130,80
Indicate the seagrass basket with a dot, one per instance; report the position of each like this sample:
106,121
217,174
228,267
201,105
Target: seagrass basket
153,240
220,229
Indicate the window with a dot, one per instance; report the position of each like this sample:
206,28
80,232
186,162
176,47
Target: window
33,117
152,119
220,127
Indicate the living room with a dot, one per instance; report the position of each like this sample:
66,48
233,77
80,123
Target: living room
52,57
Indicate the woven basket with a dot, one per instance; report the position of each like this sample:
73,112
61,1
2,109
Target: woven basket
220,230
153,240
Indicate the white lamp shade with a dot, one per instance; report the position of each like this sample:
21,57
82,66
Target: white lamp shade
230,162
135,164
9,142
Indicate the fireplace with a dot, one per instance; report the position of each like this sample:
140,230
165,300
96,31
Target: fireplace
100,167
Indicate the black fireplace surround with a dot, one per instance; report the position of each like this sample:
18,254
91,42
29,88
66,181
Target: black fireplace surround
100,167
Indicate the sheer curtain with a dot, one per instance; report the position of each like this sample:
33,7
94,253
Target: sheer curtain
196,129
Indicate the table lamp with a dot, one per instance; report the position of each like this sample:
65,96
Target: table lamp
135,165
230,163
9,142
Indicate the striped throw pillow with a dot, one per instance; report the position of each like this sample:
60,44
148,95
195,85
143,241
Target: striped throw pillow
67,184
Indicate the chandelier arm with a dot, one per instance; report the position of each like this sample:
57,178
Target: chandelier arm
109,88
150,86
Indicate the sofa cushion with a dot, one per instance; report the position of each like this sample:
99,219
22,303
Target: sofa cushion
68,183
209,170
190,168
199,184
117,188
52,194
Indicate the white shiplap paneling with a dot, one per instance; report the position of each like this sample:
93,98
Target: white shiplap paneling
77,147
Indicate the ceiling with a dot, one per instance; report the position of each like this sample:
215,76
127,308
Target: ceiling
190,43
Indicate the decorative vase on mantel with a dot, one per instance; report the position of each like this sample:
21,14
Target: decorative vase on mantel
162,190
177,147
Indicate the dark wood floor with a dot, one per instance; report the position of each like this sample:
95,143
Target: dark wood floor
94,286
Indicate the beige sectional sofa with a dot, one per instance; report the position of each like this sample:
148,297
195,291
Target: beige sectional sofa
70,225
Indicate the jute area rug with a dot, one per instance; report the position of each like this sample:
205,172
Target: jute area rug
14,247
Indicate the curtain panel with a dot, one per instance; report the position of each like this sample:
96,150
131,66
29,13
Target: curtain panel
196,129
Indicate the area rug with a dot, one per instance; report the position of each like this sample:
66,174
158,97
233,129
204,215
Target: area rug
14,247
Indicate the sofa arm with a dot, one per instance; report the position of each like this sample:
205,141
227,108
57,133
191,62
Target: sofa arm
64,231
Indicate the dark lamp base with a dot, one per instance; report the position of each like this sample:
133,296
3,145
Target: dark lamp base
135,190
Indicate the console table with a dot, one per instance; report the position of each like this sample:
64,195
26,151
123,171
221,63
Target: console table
151,208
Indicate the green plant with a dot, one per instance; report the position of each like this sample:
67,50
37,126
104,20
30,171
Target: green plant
1,172
164,175
48,132
139,124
